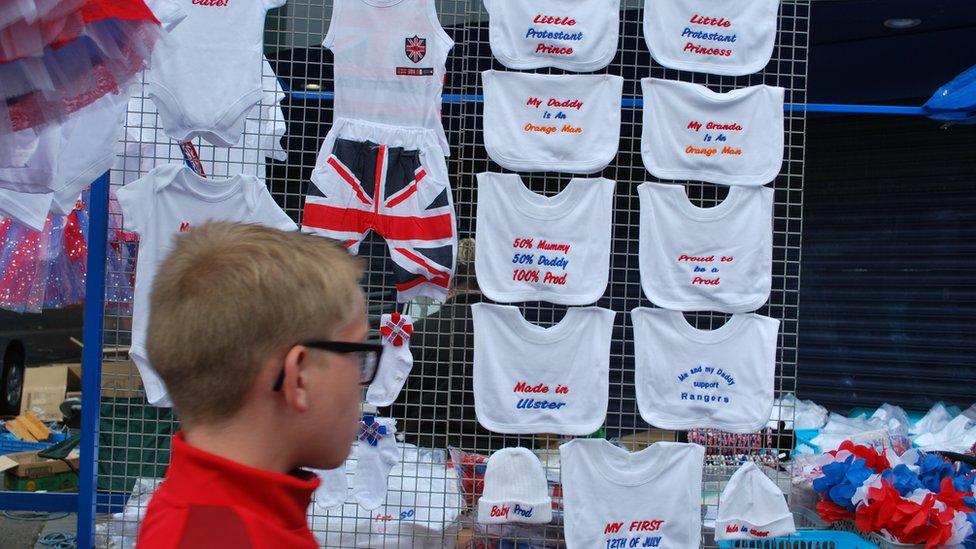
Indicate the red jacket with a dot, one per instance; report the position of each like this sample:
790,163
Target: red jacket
211,502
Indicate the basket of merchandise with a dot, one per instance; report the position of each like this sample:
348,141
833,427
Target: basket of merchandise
807,539
913,499
812,533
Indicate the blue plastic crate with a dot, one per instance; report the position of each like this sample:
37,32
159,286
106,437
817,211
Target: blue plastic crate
10,444
806,539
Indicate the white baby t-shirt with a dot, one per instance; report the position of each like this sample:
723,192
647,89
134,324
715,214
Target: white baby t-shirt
536,248
573,35
170,200
89,148
205,74
562,123
16,148
27,209
529,379
615,498
692,132
389,63
726,37
67,157
706,259
688,378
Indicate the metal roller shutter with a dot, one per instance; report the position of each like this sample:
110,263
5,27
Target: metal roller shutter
888,276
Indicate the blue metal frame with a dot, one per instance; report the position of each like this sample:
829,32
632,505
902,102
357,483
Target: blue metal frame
50,502
637,103
84,501
91,382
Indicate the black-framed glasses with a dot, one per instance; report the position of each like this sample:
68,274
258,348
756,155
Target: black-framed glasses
369,358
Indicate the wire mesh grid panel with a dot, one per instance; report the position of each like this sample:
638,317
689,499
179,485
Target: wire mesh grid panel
442,448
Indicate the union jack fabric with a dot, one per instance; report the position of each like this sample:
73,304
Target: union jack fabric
396,329
371,431
415,48
364,186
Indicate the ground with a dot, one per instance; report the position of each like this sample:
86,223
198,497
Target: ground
20,534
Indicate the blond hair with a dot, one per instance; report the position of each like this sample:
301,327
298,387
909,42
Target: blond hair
230,295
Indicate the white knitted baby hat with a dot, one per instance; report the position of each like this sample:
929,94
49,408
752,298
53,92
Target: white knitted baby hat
515,489
752,507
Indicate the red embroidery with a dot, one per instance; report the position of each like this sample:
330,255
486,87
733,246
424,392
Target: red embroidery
397,330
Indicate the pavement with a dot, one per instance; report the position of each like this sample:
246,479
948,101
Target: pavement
26,534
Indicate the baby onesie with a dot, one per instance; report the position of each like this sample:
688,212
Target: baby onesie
264,126
205,74
170,200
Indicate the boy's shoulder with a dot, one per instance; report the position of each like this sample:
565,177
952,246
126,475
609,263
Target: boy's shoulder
173,524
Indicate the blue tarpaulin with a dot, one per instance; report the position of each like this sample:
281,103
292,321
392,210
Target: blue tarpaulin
955,101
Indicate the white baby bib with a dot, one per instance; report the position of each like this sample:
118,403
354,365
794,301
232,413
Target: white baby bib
689,378
573,35
534,248
538,122
726,37
706,259
529,379
692,132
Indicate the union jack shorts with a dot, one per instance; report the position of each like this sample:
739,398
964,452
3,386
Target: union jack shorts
392,180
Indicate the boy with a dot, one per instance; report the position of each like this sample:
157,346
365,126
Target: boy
258,335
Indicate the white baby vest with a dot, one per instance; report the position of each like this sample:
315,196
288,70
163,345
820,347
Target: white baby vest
529,379
536,248
573,35
538,122
389,58
689,378
66,157
726,37
205,74
706,259
692,132
170,200
615,498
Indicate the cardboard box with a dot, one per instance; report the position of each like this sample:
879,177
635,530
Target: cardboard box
121,380
44,390
28,472
643,439
45,387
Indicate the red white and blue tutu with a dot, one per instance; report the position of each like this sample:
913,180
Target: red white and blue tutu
44,269
61,56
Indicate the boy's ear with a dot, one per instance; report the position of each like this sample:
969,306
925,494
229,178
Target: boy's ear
295,386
